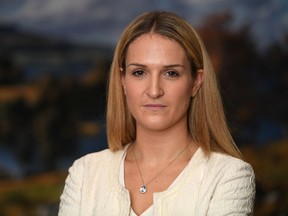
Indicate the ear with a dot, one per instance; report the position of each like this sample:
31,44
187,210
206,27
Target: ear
122,76
197,82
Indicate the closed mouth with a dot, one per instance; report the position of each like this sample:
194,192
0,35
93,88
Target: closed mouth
155,106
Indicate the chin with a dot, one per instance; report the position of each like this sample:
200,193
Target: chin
155,126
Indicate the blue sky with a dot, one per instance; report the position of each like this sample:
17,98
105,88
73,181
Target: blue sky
103,20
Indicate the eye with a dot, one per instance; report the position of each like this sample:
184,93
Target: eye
171,74
138,73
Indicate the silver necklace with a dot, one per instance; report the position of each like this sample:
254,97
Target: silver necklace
143,189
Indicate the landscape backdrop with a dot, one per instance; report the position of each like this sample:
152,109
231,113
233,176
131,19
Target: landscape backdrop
54,63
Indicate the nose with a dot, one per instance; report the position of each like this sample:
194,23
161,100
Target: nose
154,89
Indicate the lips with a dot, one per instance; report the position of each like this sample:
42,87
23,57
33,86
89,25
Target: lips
155,106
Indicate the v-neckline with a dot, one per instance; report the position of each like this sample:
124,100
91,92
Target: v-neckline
171,186
147,212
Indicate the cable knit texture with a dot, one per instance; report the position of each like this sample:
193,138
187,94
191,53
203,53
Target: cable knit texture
217,186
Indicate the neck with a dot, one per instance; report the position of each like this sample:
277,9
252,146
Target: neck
161,146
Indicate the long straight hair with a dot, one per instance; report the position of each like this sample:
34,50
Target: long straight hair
206,119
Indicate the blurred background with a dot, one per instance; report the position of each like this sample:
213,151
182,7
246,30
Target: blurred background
54,61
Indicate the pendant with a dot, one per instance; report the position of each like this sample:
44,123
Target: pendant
143,189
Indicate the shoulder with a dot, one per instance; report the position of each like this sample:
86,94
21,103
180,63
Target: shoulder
225,185
221,158
97,158
234,185
220,167
84,178
228,164
231,173
96,162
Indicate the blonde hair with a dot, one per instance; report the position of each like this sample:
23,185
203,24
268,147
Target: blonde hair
206,120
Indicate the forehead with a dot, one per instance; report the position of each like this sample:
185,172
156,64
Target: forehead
154,47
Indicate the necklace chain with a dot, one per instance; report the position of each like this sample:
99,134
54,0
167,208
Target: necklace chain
143,188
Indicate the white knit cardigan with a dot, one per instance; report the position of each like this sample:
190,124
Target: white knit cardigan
217,186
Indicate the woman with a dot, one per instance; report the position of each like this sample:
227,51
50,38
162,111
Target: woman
170,151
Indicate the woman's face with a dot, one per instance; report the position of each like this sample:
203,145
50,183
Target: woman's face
157,83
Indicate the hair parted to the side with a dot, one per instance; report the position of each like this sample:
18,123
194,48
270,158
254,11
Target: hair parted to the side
206,119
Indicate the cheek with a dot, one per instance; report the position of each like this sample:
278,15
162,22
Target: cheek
183,95
184,100
186,103
132,95
131,90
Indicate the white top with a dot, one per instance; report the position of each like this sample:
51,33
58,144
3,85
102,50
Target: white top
147,212
216,186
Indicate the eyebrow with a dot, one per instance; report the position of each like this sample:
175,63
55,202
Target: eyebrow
165,66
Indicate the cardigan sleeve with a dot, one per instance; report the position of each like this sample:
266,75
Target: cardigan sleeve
235,192
70,199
